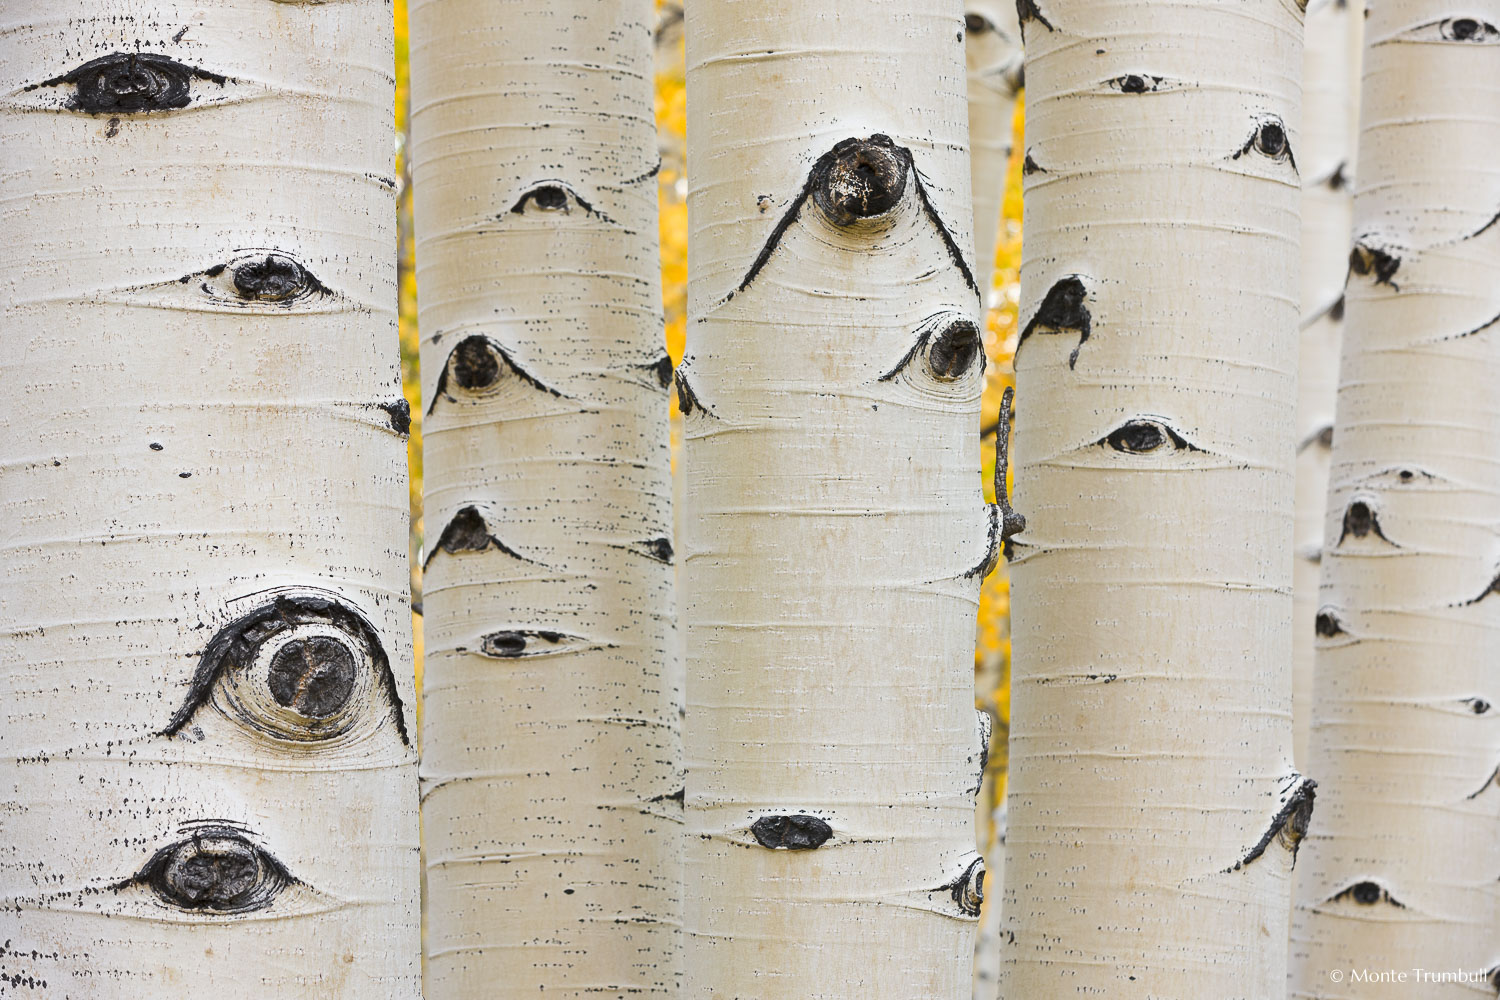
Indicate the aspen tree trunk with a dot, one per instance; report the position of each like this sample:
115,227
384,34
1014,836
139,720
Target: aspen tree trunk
551,775
1154,808
1401,872
204,625
992,48
1326,160
834,530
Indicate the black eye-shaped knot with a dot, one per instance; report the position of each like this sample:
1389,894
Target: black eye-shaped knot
952,348
977,24
273,278
131,82
1367,894
1136,83
1143,436
1271,141
477,369
302,669
217,868
554,198
527,643
968,889
1468,29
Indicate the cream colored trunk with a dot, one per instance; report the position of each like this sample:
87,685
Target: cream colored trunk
204,625
834,529
1326,159
1154,807
551,775
1399,872
992,49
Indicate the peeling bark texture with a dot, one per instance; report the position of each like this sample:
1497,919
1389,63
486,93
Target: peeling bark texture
833,507
992,48
551,753
1399,870
1330,126
209,787
1154,808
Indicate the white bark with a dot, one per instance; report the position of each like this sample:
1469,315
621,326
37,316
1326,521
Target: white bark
204,627
551,776
992,48
1400,871
1153,804
834,529
1326,158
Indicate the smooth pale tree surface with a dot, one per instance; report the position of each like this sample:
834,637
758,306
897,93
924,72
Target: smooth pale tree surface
551,776
1399,870
992,51
1153,803
210,781
1325,157
834,530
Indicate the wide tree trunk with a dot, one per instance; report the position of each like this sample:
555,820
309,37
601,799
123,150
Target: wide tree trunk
1154,807
834,528
551,774
1400,873
204,627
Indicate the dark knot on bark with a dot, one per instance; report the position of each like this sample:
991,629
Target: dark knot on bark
860,179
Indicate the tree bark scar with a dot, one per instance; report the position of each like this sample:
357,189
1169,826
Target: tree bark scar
1337,180
1062,311
399,414
1478,329
236,645
553,196
799,832
1322,437
1334,311
1029,166
1288,826
274,278
313,677
1367,894
1269,139
131,82
859,179
1360,521
514,644
217,868
1327,624
1366,259
662,369
679,797
1493,588
1027,10
1487,782
687,400
476,365
468,532
1143,435
968,889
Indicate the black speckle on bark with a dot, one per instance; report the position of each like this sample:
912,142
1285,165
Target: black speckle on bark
1360,521
1062,311
131,82
1327,624
112,129
399,414
274,278
799,832
1290,823
1027,10
156,446
184,475
678,797
313,676
1365,260
216,869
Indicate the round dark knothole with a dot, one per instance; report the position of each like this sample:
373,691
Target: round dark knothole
1358,520
1406,475
549,198
863,179
1464,28
791,833
975,23
1270,139
276,278
127,82
1133,84
953,350
1478,706
475,365
1137,437
505,644
1327,625
1366,893
217,869
314,677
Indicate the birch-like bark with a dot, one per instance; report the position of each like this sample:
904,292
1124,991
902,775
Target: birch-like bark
204,625
551,775
1326,160
1400,872
992,49
834,529
1154,808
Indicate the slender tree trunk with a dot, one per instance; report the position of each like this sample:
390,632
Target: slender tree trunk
834,528
1401,873
1154,808
551,776
1326,160
204,627
992,47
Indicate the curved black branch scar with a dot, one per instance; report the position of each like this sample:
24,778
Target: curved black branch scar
1027,10
687,400
1360,521
1005,520
661,369
1487,781
1290,823
131,82
950,354
467,532
968,889
1062,311
475,365
1366,894
1368,259
644,177
659,549
1269,139
1336,179
236,644
216,868
555,196
858,179
1478,329
1493,588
